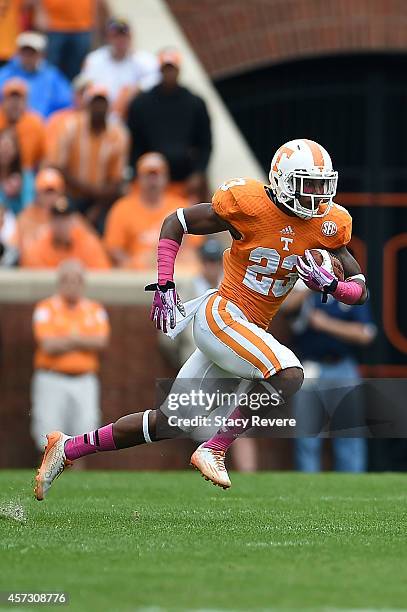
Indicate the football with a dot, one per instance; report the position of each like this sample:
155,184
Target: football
329,262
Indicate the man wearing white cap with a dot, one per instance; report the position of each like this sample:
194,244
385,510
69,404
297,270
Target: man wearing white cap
48,89
120,68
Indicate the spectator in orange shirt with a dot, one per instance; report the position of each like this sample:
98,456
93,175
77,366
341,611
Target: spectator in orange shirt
134,222
69,26
91,153
33,221
65,239
70,332
56,122
28,125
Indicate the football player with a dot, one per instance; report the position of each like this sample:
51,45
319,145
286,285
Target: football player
273,227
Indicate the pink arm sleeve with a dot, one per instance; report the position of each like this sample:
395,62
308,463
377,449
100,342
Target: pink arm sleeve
348,292
167,252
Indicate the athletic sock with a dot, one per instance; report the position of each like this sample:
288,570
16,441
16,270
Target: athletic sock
92,442
225,436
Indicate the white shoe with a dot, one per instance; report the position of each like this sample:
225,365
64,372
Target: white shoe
53,463
211,464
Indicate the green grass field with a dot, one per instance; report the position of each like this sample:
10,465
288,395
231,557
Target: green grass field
171,541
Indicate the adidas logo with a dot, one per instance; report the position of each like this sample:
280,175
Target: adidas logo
288,231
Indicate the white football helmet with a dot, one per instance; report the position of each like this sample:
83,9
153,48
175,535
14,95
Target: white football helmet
297,161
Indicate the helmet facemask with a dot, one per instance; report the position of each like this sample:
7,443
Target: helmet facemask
289,187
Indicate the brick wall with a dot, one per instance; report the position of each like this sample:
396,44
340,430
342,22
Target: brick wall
129,370
233,36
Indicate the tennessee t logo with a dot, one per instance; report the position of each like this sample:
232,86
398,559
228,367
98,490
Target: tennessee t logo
281,152
286,241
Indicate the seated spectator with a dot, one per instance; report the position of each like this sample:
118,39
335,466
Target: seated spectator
48,89
91,153
34,219
8,252
71,332
28,125
69,27
172,120
56,122
16,184
134,222
65,239
118,68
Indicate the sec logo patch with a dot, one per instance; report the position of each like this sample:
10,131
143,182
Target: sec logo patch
329,228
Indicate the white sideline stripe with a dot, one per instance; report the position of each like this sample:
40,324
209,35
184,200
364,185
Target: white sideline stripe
239,338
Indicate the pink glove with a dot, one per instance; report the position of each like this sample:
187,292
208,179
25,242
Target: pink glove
314,276
165,304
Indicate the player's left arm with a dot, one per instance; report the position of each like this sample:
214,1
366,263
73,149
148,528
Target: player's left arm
352,271
351,291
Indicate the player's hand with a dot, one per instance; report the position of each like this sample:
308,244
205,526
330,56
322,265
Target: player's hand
314,276
166,302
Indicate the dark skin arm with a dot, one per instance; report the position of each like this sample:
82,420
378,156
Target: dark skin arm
350,268
201,220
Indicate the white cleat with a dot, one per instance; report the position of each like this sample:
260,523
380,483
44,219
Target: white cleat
211,464
53,463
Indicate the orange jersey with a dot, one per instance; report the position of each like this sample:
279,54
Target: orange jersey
259,269
134,228
31,223
89,157
30,132
64,16
53,318
85,246
55,127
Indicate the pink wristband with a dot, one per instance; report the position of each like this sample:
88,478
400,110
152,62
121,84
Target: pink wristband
167,252
348,292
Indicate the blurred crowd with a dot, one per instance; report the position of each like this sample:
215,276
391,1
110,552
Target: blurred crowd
98,140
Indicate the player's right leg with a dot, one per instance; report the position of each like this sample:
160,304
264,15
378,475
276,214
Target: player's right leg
223,333
131,430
